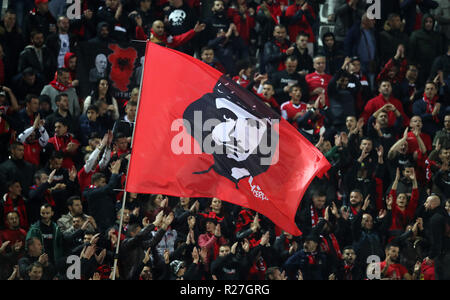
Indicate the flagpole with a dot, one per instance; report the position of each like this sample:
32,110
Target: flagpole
124,198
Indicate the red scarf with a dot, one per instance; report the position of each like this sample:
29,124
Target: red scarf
59,86
326,248
315,216
19,207
283,47
430,105
312,258
212,215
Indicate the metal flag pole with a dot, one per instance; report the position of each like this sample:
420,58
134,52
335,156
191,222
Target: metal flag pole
124,198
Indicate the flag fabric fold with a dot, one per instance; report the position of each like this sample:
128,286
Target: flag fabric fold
199,134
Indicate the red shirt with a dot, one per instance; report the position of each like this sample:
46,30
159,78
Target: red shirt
84,179
302,25
400,219
413,145
378,102
290,110
399,270
13,235
316,80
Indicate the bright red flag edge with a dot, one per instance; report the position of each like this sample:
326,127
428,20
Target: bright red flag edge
171,82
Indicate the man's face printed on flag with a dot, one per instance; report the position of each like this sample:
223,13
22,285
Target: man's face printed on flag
237,134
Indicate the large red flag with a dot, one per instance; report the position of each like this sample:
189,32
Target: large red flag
199,134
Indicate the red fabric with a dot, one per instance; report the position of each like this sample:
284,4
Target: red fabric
32,152
47,196
59,86
275,192
378,102
84,179
241,81
427,271
20,208
60,144
413,145
302,26
172,41
243,25
292,110
402,218
275,11
272,101
383,75
398,269
12,236
316,80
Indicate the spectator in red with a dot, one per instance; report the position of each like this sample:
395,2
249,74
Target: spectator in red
395,68
13,232
391,268
300,17
403,209
385,98
318,80
294,109
14,201
65,142
33,146
243,17
430,108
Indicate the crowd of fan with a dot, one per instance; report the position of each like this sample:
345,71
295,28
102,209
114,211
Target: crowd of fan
372,95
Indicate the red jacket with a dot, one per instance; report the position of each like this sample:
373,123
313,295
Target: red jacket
302,25
400,219
10,205
60,143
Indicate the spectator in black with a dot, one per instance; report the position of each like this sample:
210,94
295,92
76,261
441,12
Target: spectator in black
347,14
342,98
283,80
276,51
391,37
180,18
13,43
425,45
305,61
410,12
27,82
115,16
332,52
62,41
102,34
126,125
39,19
62,112
38,57
34,253
17,168
102,198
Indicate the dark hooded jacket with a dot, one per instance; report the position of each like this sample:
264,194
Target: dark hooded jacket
424,47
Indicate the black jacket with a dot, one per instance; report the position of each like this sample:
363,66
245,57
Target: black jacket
283,78
28,58
272,56
132,249
17,169
102,203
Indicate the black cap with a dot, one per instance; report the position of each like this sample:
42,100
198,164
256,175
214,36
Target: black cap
355,58
28,71
45,98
